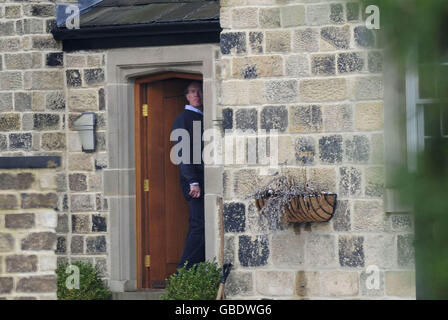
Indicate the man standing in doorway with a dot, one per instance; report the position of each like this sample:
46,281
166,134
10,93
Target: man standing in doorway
192,175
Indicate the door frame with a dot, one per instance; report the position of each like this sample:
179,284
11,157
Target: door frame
141,131
123,66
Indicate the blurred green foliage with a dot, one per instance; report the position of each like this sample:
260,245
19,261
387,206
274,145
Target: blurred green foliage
421,26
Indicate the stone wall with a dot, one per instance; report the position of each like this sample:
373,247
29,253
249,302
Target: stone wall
28,234
313,71
42,90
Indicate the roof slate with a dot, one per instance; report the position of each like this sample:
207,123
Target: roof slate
121,12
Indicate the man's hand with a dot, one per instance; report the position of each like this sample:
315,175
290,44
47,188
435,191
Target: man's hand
195,191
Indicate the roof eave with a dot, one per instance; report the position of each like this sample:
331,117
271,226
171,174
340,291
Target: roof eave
136,35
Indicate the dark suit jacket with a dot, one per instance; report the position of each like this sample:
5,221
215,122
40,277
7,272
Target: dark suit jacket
190,172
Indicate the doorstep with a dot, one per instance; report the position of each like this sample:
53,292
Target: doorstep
151,294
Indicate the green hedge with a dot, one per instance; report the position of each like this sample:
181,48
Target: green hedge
91,287
201,282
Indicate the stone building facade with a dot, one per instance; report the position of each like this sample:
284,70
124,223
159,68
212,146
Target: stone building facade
308,68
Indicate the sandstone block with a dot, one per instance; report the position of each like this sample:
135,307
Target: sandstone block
339,283
244,18
10,80
292,16
235,93
305,119
320,250
269,18
83,100
341,217
400,284
23,61
275,283
306,40
38,200
21,263
318,14
37,284
39,241
369,116
8,201
82,202
19,220
6,284
42,80
80,162
323,90
281,91
338,118
307,284
368,216
297,65
368,88
53,141
323,178
278,41
350,182
6,242
257,66
239,283
288,249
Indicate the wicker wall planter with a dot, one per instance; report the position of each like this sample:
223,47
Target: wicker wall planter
317,207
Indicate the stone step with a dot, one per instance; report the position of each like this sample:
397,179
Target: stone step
154,294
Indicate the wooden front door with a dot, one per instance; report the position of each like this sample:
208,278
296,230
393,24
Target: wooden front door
162,211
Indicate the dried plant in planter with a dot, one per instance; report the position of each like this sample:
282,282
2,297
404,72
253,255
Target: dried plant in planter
284,200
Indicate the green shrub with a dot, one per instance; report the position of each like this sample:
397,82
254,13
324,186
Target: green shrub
91,287
201,282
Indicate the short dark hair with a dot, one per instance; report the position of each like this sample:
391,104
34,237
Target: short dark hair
199,83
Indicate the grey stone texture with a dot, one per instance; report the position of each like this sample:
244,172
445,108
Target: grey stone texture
39,241
330,149
350,62
323,65
305,150
357,149
234,217
253,251
350,181
233,42
273,117
246,119
20,221
339,37
351,251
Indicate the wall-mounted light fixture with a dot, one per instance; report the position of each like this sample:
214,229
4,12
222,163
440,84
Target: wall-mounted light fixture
85,125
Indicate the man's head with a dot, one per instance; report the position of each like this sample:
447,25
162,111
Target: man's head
193,93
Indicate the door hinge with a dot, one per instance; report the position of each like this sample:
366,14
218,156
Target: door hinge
146,185
147,261
145,110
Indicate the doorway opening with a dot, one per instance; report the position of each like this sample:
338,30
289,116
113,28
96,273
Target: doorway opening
161,209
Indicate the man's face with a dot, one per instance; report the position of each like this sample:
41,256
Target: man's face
194,95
